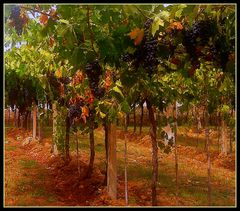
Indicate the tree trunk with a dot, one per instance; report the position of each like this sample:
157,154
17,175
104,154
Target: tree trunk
230,135
39,129
92,152
125,163
24,120
175,152
9,115
134,118
154,153
54,117
224,137
106,151
128,120
112,162
78,166
198,128
67,155
141,119
18,120
208,160
15,123
34,120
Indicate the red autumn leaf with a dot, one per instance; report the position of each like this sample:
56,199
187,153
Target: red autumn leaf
43,19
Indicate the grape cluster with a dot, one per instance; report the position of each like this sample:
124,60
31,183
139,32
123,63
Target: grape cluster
146,53
202,30
197,35
75,111
127,57
150,61
147,27
17,20
94,71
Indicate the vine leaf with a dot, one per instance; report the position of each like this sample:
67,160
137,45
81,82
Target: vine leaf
137,35
155,25
58,73
85,113
43,19
167,129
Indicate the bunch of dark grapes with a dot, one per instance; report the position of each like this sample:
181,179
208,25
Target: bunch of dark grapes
203,30
17,21
189,41
147,28
75,111
150,61
94,71
197,35
127,57
146,53
149,50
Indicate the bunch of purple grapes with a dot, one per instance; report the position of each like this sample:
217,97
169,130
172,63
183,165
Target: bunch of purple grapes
94,71
198,35
146,53
75,111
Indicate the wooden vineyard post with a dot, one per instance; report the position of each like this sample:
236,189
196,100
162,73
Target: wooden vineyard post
34,120
125,162
208,161
176,154
112,162
15,119
54,146
141,119
92,151
153,134
134,118
224,142
9,115
78,164
106,150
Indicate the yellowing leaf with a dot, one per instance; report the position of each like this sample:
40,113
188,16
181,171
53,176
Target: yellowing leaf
164,15
58,73
155,25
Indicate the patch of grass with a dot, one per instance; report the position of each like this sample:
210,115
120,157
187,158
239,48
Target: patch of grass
135,171
23,185
132,200
25,174
51,198
222,197
29,164
10,148
100,147
198,194
41,175
39,192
